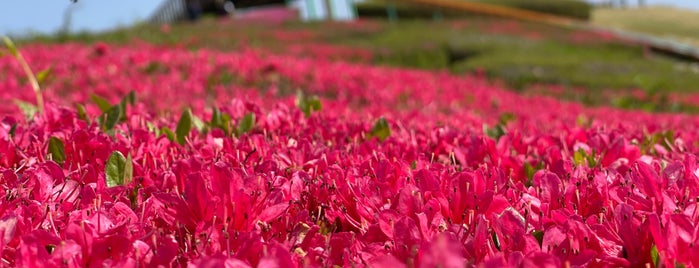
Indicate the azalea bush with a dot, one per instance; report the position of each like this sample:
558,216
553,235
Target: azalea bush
147,156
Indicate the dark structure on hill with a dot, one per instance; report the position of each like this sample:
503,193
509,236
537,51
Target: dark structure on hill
178,10
256,3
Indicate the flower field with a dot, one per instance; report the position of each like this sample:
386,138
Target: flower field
148,155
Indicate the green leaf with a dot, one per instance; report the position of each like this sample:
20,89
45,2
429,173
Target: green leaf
539,235
114,169
655,256
506,118
246,123
122,110
131,97
57,150
220,120
28,109
82,112
381,130
153,67
579,157
133,197
496,240
12,130
308,104
582,120
152,128
314,104
128,169
592,159
113,116
184,126
168,133
10,46
198,124
495,132
42,75
102,103
529,172
128,99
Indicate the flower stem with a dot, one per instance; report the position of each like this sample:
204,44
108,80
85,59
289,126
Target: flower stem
28,72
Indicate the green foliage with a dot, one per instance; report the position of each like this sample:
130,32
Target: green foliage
580,157
128,169
184,126
28,73
500,129
111,114
28,109
495,132
539,235
154,67
130,98
102,103
666,139
655,256
308,104
198,124
119,169
13,129
82,112
111,117
10,46
529,172
381,129
496,240
246,124
168,133
57,150
220,120
43,75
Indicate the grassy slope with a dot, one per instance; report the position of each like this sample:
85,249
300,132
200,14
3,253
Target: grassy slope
521,54
679,24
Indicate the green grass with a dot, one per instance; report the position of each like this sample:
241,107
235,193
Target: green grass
668,22
520,54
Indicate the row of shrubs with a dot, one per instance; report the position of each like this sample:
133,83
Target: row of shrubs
566,8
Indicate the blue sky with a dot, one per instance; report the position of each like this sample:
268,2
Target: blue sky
20,17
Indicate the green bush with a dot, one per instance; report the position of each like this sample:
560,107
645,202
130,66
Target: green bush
565,8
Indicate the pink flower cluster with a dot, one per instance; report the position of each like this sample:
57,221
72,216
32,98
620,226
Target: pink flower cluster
465,173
